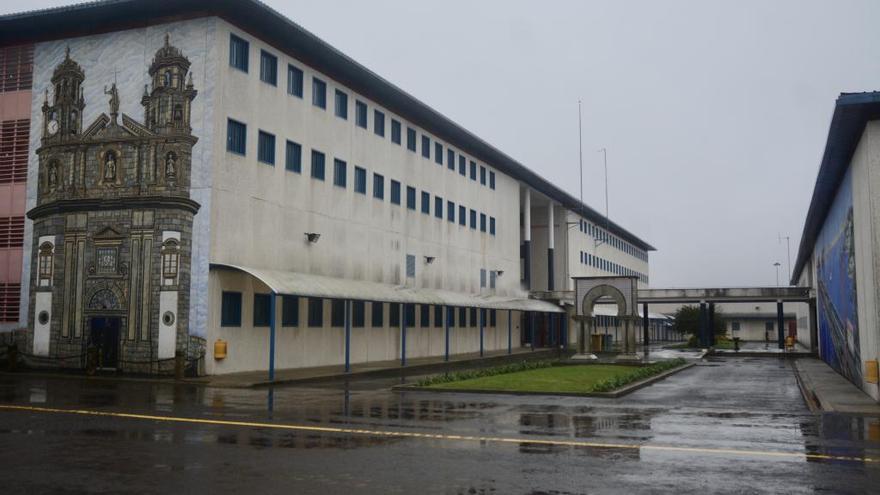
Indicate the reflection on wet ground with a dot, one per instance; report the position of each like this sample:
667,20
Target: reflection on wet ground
722,426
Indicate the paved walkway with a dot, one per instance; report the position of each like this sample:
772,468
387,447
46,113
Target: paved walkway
413,366
830,391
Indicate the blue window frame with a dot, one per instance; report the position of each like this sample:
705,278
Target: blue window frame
482,175
473,170
319,93
395,131
462,165
261,310
411,139
474,219
492,225
450,211
450,159
341,105
268,68
438,207
230,309
360,111
266,148
236,136
438,153
378,186
316,312
294,81
426,146
395,192
378,123
462,215
293,158
238,53
426,202
360,180
340,172
289,311
410,198
482,222
317,165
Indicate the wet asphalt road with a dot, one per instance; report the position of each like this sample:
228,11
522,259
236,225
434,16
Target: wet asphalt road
743,404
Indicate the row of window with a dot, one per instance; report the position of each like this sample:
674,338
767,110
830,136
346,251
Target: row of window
236,136
429,316
610,266
603,235
238,58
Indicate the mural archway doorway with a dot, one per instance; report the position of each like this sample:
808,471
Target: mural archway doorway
622,291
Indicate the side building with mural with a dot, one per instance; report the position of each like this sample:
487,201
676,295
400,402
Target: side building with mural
839,255
210,183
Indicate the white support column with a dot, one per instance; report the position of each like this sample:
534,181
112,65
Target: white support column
527,239
550,246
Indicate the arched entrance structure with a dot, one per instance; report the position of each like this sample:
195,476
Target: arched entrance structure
623,292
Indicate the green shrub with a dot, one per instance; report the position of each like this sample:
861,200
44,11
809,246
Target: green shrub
636,375
497,370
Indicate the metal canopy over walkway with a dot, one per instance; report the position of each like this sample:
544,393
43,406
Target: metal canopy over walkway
725,295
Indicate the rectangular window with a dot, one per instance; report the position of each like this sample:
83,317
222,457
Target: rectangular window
379,123
409,314
293,159
482,278
734,325
357,314
492,278
482,222
337,313
411,139
319,93
462,317
425,316
473,170
360,114
266,148
261,310
230,309
769,326
426,146
394,315
450,159
238,53
462,215
492,225
360,180
268,68
474,219
395,192
438,207
493,318
410,266
491,180
450,211
474,322
426,203
294,81
317,165
482,175
316,312
450,316
378,186
340,170
377,318
341,105
411,197
438,153
438,316
289,311
395,131
236,136
462,165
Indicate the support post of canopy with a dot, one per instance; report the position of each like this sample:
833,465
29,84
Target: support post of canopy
645,328
347,308
446,317
780,323
272,336
403,334
482,313
509,331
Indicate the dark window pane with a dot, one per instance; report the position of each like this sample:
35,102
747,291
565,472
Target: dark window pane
438,153
462,215
341,105
266,148
438,207
394,315
261,310
238,52
289,311
395,131
316,312
337,313
409,313
293,160
294,81
236,136
462,317
426,147
450,211
340,171
462,165
379,123
357,314
425,320
438,316
482,222
450,159
360,114
473,170
377,317
319,93
411,197
482,175
230,309
378,186
410,139
474,321
473,219
268,68
360,180
492,225
317,165
426,203
491,180
395,192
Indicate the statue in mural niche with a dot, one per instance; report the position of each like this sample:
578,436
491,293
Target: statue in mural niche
53,176
114,100
110,166
170,165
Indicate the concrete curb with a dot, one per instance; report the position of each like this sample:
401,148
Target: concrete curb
807,390
632,387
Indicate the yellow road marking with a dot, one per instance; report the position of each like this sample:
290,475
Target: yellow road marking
440,436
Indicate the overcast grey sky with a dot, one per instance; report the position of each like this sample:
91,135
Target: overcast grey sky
714,113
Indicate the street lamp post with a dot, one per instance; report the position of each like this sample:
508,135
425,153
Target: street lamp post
777,265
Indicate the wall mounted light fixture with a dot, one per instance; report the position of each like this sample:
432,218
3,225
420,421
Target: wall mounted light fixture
313,237
429,259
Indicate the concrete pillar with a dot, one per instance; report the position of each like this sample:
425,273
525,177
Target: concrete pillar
711,324
703,333
550,245
645,329
527,240
814,329
780,325
482,315
509,331
446,316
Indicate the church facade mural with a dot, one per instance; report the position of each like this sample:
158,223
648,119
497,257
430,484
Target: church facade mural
113,218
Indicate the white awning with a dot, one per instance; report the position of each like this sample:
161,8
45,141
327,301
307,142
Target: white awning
611,310
304,284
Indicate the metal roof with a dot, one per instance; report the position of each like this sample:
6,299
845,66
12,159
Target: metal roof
851,112
265,23
305,284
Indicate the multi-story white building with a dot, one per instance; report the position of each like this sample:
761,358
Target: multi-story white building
340,220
